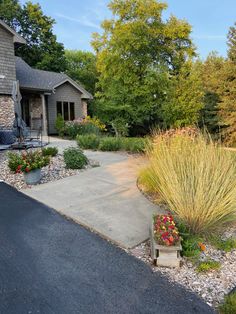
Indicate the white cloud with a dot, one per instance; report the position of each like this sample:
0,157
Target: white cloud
82,20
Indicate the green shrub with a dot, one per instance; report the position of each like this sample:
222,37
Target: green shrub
225,245
89,141
14,160
196,179
74,158
208,265
50,151
229,305
110,144
72,128
190,243
27,161
89,128
77,127
133,144
60,125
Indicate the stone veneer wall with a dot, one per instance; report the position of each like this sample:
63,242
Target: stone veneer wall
36,111
7,112
84,108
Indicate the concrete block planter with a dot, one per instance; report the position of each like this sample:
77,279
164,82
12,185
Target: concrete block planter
163,255
33,177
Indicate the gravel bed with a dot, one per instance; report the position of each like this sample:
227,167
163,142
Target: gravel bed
211,286
54,171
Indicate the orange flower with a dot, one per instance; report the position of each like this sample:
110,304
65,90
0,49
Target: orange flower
202,246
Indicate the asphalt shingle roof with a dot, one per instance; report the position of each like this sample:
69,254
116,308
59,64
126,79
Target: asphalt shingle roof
30,78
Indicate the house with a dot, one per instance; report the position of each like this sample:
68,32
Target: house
44,94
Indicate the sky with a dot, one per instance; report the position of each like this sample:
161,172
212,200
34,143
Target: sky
76,20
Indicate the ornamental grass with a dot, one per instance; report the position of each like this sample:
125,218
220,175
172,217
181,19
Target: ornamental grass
196,178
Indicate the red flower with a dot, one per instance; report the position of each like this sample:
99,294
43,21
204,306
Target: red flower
27,169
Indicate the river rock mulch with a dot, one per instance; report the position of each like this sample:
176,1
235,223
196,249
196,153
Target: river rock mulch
211,286
54,171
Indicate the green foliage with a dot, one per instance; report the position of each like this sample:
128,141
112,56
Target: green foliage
133,144
74,158
210,73
14,160
190,242
208,265
50,151
232,43
27,161
135,55
89,141
42,50
81,67
110,144
184,99
74,128
120,126
60,125
226,245
196,179
229,305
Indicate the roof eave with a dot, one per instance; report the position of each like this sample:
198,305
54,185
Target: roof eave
36,89
85,94
16,37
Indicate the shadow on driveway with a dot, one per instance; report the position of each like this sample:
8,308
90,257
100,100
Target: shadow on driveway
51,265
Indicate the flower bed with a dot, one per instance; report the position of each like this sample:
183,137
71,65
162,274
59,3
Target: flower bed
56,170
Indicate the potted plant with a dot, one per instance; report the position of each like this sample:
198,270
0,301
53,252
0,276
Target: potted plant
165,241
29,163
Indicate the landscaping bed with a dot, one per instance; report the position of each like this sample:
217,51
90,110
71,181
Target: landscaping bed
213,285
193,179
56,170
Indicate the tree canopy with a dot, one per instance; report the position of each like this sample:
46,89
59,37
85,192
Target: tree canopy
81,66
137,55
42,50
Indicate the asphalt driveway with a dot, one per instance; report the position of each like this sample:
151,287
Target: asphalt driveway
51,265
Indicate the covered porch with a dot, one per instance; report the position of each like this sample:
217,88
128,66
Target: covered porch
34,110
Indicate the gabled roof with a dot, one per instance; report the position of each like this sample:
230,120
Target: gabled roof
45,81
16,37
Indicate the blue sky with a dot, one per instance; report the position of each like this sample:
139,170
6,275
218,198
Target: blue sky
78,19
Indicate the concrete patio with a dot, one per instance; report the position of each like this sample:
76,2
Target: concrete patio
104,199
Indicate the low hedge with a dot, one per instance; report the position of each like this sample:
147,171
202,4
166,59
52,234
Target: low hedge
108,143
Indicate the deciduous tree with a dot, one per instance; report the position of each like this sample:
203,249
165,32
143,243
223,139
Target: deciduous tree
137,52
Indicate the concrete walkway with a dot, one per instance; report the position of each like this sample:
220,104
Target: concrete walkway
105,199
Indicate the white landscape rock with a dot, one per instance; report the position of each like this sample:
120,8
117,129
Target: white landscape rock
54,171
211,286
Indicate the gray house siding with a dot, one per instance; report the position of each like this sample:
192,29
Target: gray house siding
67,93
7,62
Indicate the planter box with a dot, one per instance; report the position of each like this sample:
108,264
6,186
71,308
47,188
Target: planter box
32,177
162,255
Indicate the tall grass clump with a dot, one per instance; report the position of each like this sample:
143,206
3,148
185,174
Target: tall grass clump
195,178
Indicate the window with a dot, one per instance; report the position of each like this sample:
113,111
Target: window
59,108
72,111
66,109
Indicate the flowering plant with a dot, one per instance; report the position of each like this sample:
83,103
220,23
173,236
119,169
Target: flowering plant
27,161
165,230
